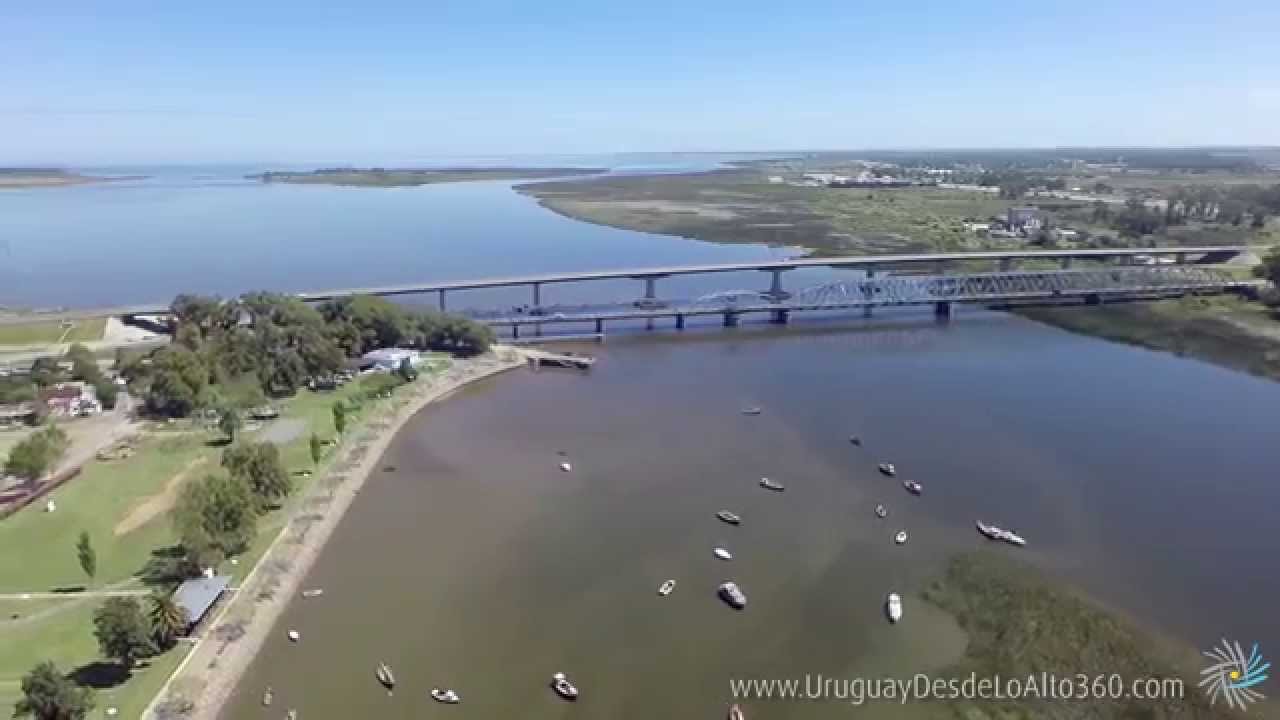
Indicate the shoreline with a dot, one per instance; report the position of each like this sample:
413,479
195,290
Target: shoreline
209,674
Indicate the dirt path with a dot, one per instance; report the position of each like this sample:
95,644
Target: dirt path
157,504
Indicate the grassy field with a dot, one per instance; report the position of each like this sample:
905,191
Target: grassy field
1020,622
1225,330
45,332
98,501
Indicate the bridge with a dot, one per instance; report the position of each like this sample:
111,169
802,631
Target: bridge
939,279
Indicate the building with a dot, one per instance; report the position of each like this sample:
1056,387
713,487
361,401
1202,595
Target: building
388,359
198,595
72,399
1028,219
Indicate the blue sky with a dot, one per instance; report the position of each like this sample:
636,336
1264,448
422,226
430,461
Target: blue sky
298,80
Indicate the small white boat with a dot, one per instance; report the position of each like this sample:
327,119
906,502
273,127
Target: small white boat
753,410
565,467
313,592
291,715
563,687
893,607
1014,538
881,512
385,676
729,517
294,636
722,553
913,487
735,713
448,697
665,588
268,696
888,469
768,484
901,537
732,594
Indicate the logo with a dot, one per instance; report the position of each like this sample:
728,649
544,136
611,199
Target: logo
1233,675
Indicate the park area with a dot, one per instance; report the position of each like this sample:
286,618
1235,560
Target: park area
123,505
44,332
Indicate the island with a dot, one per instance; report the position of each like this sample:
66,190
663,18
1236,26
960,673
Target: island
23,177
410,177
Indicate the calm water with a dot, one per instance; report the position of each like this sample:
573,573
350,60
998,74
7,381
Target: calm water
1145,479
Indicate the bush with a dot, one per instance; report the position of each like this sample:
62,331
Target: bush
107,393
36,455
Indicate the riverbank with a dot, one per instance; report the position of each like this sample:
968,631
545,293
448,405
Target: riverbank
382,177
210,672
16,178
1225,330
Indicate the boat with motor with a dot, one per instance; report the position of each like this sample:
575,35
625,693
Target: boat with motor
294,636
447,697
722,553
881,512
563,687
385,676
773,485
565,467
268,696
665,588
732,594
729,517
888,469
893,607
913,487
901,537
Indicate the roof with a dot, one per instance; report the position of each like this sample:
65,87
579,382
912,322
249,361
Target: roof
197,595
382,355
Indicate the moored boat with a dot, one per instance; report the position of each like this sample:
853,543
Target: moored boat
563,687
729,517
385,676
901,537
268,696
773,485
448,697
753,410
881,511
888,469
993,532
565,467
913,487
732,594
665,588
294,636
893,607
735,713
313,592
722,553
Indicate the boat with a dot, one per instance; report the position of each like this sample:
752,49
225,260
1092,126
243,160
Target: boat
893,607
735,713
565,467
888,469
294,636
901,537
913,487
448,697
1014,538
268,696
291,715
313,592
385,676
665,588
722,553
754,410
771,485
732,594
729,517
880,511
563,687
855,440
995,533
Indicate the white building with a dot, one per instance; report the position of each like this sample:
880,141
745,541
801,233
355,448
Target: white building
388,359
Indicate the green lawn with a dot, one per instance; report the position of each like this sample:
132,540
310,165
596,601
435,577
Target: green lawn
36,333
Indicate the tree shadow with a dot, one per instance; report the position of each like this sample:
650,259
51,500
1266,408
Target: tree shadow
101,675
68,589
167,567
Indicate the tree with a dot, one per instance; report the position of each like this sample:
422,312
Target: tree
168,619
178,378
1270,267
406,371
84,366
88,558
339,417
215,517
36,455
317,449
107,393
47,694
123,631
259,466
229,422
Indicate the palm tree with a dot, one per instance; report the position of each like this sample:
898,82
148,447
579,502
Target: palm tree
168,619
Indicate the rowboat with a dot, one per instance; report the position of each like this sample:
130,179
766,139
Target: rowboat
729,517
447,697
563,687
385,676
732,594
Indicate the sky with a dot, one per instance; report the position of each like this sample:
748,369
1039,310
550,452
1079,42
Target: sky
302,80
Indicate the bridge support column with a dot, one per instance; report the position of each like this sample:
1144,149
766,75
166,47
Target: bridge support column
1093,299
780,317
1181,258
599,326
537,295
650,288
442,307
515,331
730,318
866,311
679,322
776,293
942,310
1066,263
648,323
1006,264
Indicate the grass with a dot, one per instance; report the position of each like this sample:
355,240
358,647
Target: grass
50,331
1225,330
1020,623
96,501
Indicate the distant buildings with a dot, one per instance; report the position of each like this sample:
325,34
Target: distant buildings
72,399
1024,219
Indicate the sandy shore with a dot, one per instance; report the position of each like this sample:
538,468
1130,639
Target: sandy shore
209,674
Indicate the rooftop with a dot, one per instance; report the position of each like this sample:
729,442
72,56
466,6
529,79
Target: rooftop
197,595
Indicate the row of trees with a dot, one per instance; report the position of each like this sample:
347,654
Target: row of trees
231,354
37,454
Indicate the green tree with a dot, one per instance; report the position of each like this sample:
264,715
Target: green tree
259,466
107,393
229,422
317,449
215,518
84,366
1270,267
168,619
47,694
122,630
87,556
37,454
339,417
179,377
406,371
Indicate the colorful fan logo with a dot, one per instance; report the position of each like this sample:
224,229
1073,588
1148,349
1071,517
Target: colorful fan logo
1233,675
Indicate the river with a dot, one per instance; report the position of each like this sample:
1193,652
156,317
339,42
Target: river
1144,479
